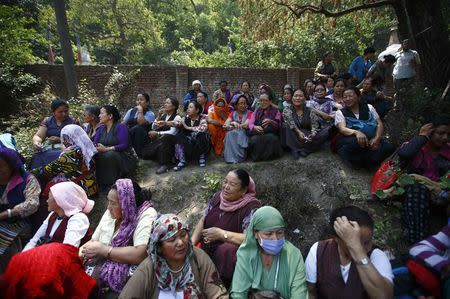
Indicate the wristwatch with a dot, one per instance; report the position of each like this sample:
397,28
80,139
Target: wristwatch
364,262
225,236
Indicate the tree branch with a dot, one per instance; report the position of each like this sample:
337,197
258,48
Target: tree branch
298,9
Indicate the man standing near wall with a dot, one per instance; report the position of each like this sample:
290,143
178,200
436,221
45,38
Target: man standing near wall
405,67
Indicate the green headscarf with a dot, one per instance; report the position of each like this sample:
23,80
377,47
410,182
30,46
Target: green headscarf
249,269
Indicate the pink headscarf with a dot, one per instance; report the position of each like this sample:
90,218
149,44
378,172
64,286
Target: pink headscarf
71,198
231,206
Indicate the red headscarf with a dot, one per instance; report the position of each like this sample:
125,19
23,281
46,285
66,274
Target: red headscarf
49,271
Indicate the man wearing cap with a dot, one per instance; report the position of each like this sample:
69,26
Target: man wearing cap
192,94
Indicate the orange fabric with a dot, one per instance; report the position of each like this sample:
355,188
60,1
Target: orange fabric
219,114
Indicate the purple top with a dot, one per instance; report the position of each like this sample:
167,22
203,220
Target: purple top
120,137
260,114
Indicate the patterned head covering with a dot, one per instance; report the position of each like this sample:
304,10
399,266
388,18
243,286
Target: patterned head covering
76,136
71,198
165,227
114,274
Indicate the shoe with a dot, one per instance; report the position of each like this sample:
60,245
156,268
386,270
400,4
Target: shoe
162,169
303,154
179,166
202,162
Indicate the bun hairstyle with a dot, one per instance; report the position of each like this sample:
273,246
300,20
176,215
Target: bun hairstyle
243,176
112,110
197,106
146,96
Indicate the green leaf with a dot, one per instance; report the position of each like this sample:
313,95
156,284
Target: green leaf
380,194
405,179
399,191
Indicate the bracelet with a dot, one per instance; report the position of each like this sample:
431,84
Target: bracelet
109,252
8,211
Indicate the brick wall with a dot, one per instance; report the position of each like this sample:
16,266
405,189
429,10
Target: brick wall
162,81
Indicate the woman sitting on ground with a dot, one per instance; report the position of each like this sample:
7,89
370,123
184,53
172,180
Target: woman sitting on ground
324,106
162,136
174,268
67,222
119,241
91,120
348,266
19,200
116,158
309,89
221,229
245,90
264,127
236,139
265,88
369,95
302,129
139,122
427,158
266,262
216,120
75,163
46,140
193,138
288,93
338,93
360,143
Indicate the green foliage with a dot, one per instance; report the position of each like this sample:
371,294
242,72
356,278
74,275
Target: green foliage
15,36
14,83
119,84
213,181
387,231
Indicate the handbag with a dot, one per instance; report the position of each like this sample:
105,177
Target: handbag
384,177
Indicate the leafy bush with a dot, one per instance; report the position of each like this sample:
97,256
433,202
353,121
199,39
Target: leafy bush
119,85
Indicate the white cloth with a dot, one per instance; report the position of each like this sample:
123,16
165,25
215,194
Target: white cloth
104,232
173,130
339,116
77,226
378,259
76,136
170,295
404,67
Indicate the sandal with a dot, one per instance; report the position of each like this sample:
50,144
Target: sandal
179,166
202,162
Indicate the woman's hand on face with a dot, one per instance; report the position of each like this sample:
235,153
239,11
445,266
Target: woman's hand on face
348,231
212,234
426,130
94,249
362,139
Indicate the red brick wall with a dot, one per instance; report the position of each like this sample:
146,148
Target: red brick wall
162,81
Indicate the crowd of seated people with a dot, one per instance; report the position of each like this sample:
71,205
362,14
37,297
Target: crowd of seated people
238,248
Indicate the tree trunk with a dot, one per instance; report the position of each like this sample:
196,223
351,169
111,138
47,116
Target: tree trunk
66,48
429,38
121,27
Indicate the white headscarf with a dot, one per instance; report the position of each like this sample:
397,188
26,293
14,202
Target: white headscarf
75,135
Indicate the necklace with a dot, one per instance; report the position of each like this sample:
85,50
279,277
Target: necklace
177,271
